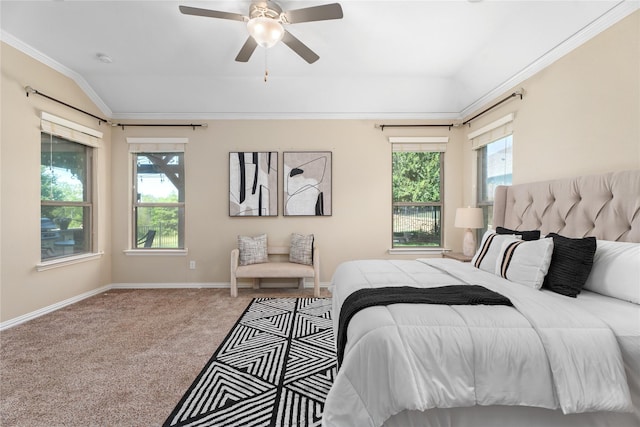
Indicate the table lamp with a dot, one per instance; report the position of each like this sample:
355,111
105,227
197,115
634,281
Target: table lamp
469,218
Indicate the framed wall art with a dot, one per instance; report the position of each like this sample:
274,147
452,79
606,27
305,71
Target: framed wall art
253,183
307,183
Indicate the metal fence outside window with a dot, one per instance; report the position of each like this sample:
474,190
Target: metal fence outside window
416,225
166,237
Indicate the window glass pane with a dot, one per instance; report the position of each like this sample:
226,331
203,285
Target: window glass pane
416,226
495,167
487,214
160,177
63,170
157,227
159,201
417,198
65,210
416,177
64,231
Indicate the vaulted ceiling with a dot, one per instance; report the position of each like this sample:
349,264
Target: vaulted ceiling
384,59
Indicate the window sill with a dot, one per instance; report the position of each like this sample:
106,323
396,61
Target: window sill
415,251
62,262
156,252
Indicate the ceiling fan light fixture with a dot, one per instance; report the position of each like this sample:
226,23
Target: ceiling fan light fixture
265,31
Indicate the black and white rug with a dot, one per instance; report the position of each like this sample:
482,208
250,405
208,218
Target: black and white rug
274,369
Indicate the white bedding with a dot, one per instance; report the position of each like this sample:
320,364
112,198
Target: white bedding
408,358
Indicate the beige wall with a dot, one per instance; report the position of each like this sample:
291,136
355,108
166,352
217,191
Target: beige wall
583,113
580,115
360,225
22,288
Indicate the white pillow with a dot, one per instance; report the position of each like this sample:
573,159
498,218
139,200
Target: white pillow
525,262
487,254
616,270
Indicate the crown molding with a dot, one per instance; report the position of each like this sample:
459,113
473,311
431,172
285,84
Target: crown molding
52,63
287,116
606,20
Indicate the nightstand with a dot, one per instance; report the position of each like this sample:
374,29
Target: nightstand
458,256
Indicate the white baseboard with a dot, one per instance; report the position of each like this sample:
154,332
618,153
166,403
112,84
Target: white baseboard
199,285
186,285
51,308
57,306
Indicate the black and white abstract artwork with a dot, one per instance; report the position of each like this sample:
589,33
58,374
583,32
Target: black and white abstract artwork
307,183
253,183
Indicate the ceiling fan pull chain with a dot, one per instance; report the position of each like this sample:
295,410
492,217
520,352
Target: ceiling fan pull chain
266,69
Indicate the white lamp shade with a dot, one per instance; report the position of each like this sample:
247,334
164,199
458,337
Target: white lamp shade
469,218
265,31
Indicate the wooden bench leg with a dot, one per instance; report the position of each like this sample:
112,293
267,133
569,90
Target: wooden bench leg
300,282
256,283
316,286
234,286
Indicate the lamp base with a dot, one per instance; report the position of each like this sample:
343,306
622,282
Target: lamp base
469,243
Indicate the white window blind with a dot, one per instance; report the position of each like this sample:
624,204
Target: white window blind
157,145
419,143
492,132
69,130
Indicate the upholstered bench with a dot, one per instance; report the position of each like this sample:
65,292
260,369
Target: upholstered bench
277,267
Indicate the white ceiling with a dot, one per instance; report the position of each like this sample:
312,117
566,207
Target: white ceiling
384,59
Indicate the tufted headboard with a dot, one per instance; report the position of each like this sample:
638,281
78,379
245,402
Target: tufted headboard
605,206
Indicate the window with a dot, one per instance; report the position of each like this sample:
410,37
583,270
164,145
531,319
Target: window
67,216
417,194
493,145
494,168
66,204
158,193
159,200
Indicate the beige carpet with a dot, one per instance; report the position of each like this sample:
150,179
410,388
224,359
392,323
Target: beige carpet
121,358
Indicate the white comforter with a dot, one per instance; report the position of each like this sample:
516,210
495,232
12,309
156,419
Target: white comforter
544,353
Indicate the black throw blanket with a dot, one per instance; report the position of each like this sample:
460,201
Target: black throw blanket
447,295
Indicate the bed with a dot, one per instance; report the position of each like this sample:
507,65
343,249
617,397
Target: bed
564,351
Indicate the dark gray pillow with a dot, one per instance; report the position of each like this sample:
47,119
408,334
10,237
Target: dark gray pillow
526,235
571,264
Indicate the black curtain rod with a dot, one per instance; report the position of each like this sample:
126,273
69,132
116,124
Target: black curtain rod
414,126
514,94
29,90
191,125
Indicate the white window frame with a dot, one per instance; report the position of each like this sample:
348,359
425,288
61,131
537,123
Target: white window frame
137,146
421,144
80,134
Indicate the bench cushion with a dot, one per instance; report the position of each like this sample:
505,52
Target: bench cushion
274,269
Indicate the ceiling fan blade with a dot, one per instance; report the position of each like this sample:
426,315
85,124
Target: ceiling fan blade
300,48
315,13
187,10
247,50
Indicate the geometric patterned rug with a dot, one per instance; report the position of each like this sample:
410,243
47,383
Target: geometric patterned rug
274,369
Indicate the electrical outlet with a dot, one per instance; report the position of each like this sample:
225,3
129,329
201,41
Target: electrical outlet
192,265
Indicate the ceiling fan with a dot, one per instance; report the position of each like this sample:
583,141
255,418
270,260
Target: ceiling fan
266,22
